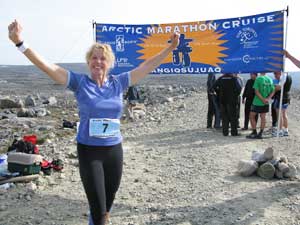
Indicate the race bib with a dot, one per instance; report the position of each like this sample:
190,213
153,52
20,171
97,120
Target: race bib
102,128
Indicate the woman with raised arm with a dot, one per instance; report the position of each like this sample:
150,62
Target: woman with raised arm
99,99
292,58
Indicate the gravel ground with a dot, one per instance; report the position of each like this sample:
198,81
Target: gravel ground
176,172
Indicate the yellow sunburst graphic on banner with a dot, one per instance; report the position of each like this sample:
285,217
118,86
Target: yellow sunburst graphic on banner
205,44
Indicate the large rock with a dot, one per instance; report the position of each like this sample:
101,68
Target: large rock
269,153
258,157
40,112
23,112
9,103
278,174
292,172
52,100
247,167
283,167
266,170
29,101
283,159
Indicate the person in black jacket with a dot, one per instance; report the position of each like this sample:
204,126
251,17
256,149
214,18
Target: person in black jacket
133,97
213,103
240,80
247,98
229,89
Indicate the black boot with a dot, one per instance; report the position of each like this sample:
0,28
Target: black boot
259,136
253,135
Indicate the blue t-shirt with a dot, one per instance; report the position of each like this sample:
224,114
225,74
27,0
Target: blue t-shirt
98,102
275,81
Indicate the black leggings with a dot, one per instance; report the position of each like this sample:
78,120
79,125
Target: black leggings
101,171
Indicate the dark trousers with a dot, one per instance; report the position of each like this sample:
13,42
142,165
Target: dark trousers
238,108
213,111
274,115
248,104
100,171
229,115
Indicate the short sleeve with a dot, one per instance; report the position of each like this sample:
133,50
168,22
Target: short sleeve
74,80
288,84
124,79
256,83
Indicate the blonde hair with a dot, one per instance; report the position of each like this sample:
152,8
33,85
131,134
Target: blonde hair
107,52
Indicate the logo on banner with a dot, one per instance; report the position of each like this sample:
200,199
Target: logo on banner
123,62
183,49
247,37
120,43
246,58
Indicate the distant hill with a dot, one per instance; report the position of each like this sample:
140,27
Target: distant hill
9,72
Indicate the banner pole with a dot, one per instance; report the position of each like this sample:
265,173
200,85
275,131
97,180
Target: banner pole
283,75
94,30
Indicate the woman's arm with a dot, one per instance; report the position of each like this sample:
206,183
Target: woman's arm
57,73
150,64
292,58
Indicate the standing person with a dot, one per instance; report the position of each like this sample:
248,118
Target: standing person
247,99
133,97
264,90
276,81
241,83
99,97
229,89
283,121
292,58
213,103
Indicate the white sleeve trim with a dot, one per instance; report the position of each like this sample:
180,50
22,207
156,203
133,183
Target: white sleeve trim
68,79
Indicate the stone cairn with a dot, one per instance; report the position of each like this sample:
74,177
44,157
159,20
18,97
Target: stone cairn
267,165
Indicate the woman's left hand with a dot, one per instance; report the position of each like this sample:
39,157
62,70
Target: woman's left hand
174,40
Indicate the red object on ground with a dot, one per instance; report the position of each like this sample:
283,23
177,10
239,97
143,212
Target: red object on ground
45,164
30,138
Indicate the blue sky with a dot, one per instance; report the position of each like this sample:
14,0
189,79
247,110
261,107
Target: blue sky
61,30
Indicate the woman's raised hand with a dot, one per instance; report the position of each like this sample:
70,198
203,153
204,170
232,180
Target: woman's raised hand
14,32
174,40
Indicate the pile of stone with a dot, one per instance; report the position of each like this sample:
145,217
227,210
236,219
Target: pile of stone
30,107
267,165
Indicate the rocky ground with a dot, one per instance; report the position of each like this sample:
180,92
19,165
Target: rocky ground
176,171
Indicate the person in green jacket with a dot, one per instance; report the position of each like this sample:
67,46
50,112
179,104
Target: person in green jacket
264,90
